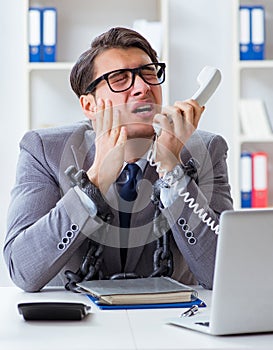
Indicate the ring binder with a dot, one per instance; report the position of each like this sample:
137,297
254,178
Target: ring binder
246,179
49,34
259,180
34,34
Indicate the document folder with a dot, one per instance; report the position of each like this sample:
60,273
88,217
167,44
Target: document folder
34,34
244,32
259,180
195,301
246,179
49,34
257,32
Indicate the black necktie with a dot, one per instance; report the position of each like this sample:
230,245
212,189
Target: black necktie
128,194
128,189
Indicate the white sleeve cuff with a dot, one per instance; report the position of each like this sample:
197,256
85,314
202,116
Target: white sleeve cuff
169,195
87,202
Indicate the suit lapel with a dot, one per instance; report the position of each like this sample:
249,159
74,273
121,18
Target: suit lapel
78,151
85,153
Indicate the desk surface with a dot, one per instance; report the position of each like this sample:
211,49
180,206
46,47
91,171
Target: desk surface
108,329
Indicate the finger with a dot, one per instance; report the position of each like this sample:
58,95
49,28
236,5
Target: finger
196,105
187,109
163,121
122,136
191,104
175,116
108,116
115,130
116,118
190,119
99,115
118,150
198,111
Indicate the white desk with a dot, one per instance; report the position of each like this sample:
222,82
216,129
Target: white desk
112,329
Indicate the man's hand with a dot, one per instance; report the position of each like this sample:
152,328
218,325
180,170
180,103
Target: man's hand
110,141
178,123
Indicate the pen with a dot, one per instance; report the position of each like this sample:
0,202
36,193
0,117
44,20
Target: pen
191,311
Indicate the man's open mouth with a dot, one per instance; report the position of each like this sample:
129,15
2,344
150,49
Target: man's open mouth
147,108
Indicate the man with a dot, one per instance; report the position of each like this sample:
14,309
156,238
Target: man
78,211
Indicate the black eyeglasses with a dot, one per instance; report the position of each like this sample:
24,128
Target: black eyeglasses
123,79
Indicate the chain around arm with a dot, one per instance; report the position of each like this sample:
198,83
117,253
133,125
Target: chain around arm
80,178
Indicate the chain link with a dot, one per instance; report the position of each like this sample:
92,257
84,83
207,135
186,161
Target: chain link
90,267
163,258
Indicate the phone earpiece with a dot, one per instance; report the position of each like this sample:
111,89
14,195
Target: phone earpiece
209,78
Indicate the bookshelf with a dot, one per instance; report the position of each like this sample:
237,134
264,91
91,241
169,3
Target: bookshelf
50,100
253,79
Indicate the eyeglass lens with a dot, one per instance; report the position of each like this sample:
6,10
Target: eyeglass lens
122,80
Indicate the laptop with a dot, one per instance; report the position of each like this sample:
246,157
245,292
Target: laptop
242,296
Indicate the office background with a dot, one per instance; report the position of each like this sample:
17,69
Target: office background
200,33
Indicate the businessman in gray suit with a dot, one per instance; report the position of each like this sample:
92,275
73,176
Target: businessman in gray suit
106,197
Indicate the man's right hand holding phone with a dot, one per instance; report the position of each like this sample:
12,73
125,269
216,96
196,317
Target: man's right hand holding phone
177,124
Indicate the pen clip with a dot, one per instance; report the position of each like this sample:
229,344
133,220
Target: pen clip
190,312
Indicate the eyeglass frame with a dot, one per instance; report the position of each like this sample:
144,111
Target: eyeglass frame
134,71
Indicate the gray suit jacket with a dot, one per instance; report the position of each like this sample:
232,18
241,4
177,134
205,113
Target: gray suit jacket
48,224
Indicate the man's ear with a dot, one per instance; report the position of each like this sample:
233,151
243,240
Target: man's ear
88,104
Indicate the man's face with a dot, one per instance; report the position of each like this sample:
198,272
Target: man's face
137,105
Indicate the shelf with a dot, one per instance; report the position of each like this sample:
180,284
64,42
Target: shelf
78,22
50,66
255,64
243,138
253,80
49,97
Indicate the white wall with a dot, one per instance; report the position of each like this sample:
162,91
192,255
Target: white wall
11,102
200,34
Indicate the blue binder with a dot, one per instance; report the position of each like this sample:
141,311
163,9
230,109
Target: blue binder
35,34
49,34
252,32
195,301
246,179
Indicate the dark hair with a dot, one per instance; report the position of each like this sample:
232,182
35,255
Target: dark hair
82,72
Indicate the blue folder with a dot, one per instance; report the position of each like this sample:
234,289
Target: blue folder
35,34
49,34
195,301
246,179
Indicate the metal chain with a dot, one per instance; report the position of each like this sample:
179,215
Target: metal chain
90,267
162,259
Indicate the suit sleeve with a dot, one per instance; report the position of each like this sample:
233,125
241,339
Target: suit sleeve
45,227
194,216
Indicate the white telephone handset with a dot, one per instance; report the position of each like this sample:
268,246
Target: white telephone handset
209,78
